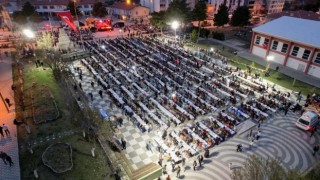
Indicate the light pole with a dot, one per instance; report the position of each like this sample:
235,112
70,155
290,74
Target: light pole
175,25
269,58
75,11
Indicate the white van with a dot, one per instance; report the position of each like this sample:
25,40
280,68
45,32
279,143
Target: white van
308,121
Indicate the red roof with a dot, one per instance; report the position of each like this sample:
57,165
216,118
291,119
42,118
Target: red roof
62,2
123,6
298,14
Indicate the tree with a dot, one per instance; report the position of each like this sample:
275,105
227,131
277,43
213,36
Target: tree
221,18
45,42
73,10
18,17
199,13
28,9
194,36
158,19
241,16
27,12
256,167
99,10
178,10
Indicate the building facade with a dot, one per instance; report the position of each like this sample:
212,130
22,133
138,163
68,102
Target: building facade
162,5
129,11
291,42
45,7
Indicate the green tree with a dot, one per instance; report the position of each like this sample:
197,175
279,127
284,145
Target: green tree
18,17
178,10
28,9
199,13
99,10
256,167
73,10
241,16
158,19
221,18
194,36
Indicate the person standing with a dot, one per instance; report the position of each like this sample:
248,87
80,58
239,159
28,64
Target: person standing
8,158
178,171
1,131
168,177
312,131
3,156
194,165
286,110
251,144
124,143
92,83
199,160
6,130
315,149
100,93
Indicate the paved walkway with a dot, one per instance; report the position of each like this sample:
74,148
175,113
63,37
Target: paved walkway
9,144
242,52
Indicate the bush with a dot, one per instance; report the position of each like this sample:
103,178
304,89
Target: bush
218,35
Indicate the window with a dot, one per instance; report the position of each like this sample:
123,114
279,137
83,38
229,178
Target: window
306,54
258,38
51,7
284,48
295,51
317,59
45,7
86,6
275,45
266,41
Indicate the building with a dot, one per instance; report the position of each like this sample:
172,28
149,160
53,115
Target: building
162,5
44,7
291,42
274,6
10,5
129,11
298,14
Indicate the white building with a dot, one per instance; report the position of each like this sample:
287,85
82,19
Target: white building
129,11
291,42
162,5
44,7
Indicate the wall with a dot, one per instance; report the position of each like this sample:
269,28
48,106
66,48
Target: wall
259,51
314,71
296,64
278,58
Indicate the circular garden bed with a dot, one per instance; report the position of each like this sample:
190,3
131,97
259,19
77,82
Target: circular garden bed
58,157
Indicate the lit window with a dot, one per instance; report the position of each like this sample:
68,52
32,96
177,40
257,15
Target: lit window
295,51
306,54
317,59
275,45
284,48
258,38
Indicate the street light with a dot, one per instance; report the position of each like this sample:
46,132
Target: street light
175,25
269,58
103,47
28,33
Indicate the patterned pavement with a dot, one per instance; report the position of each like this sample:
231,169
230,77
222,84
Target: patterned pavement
9,145
280,138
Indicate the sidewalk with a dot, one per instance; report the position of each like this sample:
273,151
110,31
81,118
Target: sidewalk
242,52
9,145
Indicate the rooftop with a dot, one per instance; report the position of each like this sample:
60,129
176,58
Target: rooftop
124,6
293,29
61,2
298,14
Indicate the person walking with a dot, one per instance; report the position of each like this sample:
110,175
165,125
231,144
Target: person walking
1,131
199,160
100,93
3,156
8,101
92,83
194,165
315,149
286,110
124,143
8,158
6,130
178,171
164,169
168,177
251,144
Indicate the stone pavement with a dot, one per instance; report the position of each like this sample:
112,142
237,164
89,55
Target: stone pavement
9,144
242,52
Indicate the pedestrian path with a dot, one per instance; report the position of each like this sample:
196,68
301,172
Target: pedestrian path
9,145
242,52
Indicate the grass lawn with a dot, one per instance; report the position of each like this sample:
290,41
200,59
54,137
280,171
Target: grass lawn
275,77
85,166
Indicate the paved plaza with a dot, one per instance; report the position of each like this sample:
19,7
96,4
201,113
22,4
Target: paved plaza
280,137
